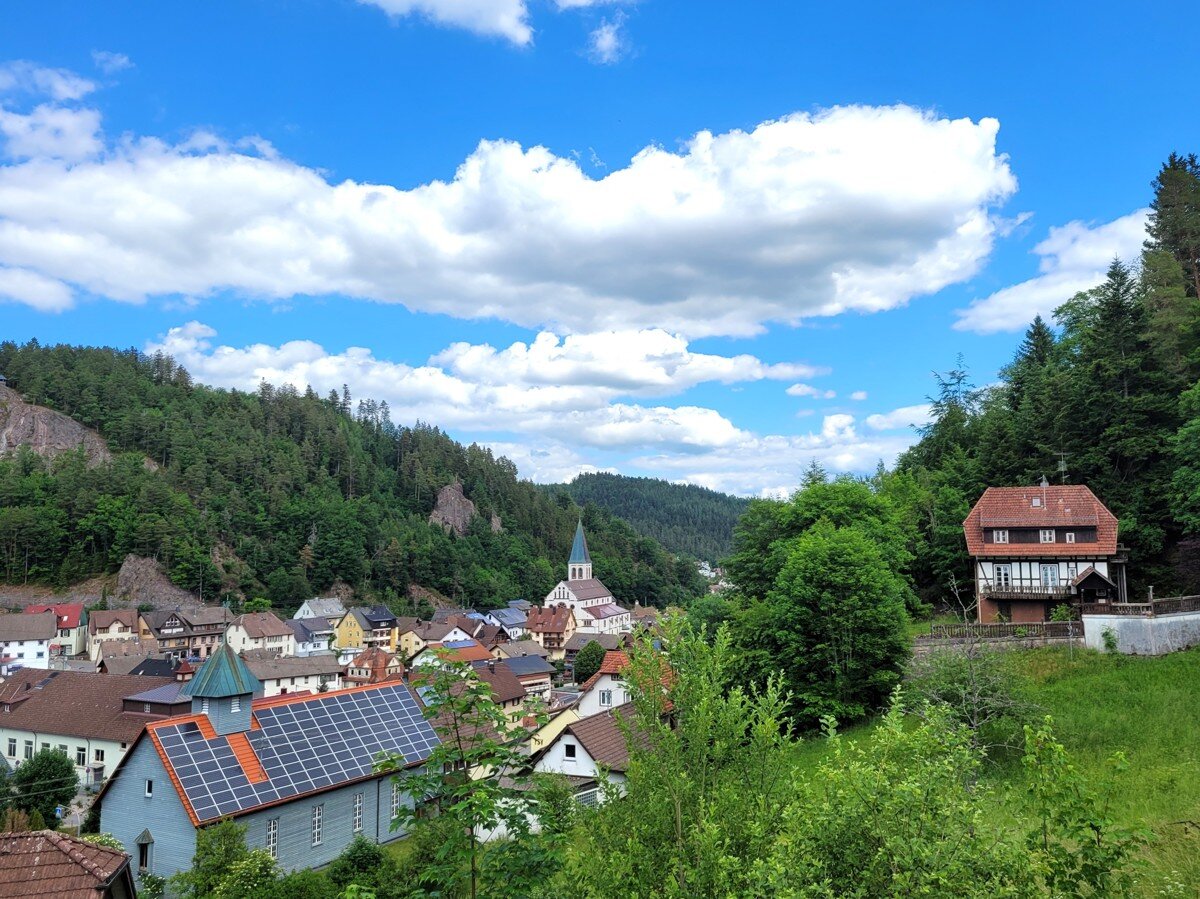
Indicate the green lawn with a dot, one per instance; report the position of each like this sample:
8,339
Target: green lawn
1148,708
922,628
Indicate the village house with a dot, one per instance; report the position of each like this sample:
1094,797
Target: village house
534,673
610,642
466,651
261,630
328,608
25,640
422,633
519,648
589,752
186,633
606,689
361,628
72,638
91,718
511,620
595,609
45,864
288,768
313,635
1035,548
124,656
507,690
553,627
296,674
110,625
374,666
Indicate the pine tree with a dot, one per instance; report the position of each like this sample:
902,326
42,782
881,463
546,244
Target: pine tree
1174,223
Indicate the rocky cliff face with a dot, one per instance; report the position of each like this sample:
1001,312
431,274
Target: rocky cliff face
454,511
143,581
46,432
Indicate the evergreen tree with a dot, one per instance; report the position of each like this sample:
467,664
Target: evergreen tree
1174,224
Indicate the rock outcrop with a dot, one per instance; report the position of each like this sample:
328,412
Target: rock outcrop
142,581
453,510
46,432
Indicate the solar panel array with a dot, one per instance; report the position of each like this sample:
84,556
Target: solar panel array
302,746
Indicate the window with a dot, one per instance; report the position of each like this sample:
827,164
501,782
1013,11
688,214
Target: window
358,806
204,706
1049,575
146,707
80,756
12,747
318,812
1069,536
1072,571
235,704
144,856
62,747
149,788
273,837
98,755
999,536
395,798
606,697
1046,535
1037,502
569,751
1003,576
29,749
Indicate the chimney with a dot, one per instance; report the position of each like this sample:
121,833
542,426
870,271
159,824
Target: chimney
492,665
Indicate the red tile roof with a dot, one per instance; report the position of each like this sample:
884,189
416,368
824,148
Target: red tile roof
462,651
607,610
69,613
614,663
1065,505
49,865
551,620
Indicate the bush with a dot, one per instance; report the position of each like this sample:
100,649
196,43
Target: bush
588,661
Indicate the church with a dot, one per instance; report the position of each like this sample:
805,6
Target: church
595,609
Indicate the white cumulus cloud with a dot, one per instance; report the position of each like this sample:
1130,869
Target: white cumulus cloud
904,417
1074,257
809,390
110,63
22,76
607,42
802,216
858,396
508,19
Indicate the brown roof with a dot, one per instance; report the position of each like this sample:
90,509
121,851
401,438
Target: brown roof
516,648
293,666
606,610
551,620
39,626
504,684
491,635
588,588
75,704
1065,506
259,625
580,640
49,865
464,651
102,619
377,661
601,736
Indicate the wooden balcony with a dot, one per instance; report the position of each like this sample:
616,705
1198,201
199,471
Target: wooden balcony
1031,593
1169,605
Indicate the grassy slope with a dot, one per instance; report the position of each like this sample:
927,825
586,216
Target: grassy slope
1148,708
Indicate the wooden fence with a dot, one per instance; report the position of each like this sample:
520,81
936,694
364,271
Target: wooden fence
1168,605
1049,630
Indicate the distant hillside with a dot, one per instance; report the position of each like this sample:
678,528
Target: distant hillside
281,494
682,517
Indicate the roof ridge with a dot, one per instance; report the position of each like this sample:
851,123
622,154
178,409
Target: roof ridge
70,848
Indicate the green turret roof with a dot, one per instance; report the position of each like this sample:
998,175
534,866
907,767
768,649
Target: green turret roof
224,674
579,550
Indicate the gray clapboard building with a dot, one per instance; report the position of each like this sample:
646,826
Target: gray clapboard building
296,770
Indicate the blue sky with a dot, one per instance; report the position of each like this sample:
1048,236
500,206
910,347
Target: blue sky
703,241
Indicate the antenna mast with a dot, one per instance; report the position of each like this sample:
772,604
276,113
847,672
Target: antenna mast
1062,465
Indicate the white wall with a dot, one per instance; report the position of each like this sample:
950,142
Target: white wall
308,683
112,751
589,702
30,653
1028,572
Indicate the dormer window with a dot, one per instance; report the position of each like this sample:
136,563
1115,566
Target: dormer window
1000,536
1047,535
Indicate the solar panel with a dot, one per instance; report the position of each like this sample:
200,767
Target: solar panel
302,747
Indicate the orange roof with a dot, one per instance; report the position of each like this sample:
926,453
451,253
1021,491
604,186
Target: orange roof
614,662
1059,506
462,651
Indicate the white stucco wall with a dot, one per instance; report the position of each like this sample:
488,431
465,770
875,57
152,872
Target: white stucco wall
1144,636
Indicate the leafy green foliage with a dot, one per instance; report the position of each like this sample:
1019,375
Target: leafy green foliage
43,782
279,494
219,848
685,518
474,778
588,661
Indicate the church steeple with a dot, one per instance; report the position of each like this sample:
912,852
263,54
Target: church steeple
579,566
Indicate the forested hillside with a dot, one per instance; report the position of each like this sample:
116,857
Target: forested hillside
1107,395
1110,389
682,517
279,493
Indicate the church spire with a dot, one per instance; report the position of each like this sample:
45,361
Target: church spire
579,566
